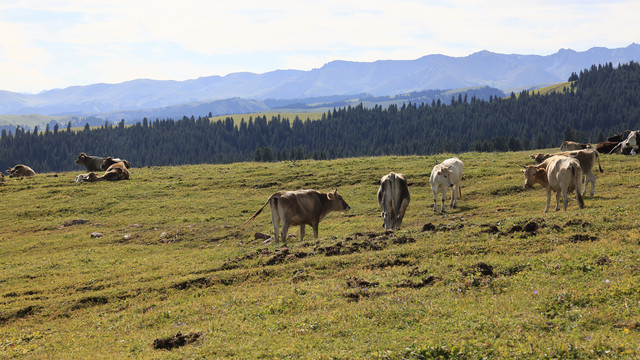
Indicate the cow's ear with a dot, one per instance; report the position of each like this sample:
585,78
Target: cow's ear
331,195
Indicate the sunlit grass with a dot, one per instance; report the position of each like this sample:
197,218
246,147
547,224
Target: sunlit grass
173,257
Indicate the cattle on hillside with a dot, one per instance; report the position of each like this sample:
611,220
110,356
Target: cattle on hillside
393,197
92,163
572,145
444,175
586,158
20,171
561,174
301,207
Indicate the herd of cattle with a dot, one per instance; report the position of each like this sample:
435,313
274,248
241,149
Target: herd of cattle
561,173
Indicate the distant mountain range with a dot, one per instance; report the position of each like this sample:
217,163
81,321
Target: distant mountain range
246,92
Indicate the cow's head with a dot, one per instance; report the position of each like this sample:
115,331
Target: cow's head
538,158
337,201
82,158
533,175
443,176
107,162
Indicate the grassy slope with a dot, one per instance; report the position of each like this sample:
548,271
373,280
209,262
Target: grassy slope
569,289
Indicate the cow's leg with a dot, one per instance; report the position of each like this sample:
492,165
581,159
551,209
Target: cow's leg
590,177
558,199
275,218
444,198
546,209
315,229
454,196
435,200
302,231
285,229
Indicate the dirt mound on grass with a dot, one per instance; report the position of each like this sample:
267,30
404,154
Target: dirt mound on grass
176,341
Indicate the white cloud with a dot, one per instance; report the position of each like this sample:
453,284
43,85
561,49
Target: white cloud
57,43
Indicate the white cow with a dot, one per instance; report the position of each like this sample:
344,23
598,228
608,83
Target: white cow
558,173
446,174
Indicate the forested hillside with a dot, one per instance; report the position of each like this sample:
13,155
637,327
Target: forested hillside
601,100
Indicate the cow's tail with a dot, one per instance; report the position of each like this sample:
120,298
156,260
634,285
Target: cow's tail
577,181
260,210
598,158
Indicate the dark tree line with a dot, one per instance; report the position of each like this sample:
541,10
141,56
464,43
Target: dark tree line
601,101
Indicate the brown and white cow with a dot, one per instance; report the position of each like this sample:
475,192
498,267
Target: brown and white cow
572,145
393,197
301,207
561,174
586,158
21,171
92,163
444,175
110,161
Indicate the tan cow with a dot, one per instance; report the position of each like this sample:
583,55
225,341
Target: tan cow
558,173
393,197
301,207
110,161
21,171
572,145
586,158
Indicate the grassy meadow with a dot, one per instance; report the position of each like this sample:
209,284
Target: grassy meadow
495,278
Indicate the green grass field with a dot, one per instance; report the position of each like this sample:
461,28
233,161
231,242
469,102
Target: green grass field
495,278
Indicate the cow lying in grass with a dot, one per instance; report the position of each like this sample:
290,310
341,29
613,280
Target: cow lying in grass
21,171
117,171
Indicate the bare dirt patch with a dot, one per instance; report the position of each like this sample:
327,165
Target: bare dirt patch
175,341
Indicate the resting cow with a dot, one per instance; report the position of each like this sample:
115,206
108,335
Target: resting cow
572,145
92,163
586,158
117,171
446,174
21,171
301,207
110,161
605,147
558,173
393,197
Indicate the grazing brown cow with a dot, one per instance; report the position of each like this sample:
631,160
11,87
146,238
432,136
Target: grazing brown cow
301,207
21,171
572,145
92,163
586,158
558,173
110,161
393,197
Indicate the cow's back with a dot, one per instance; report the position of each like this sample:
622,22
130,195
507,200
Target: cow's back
562,172
300,206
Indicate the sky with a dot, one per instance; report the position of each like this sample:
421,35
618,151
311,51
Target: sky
48,44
